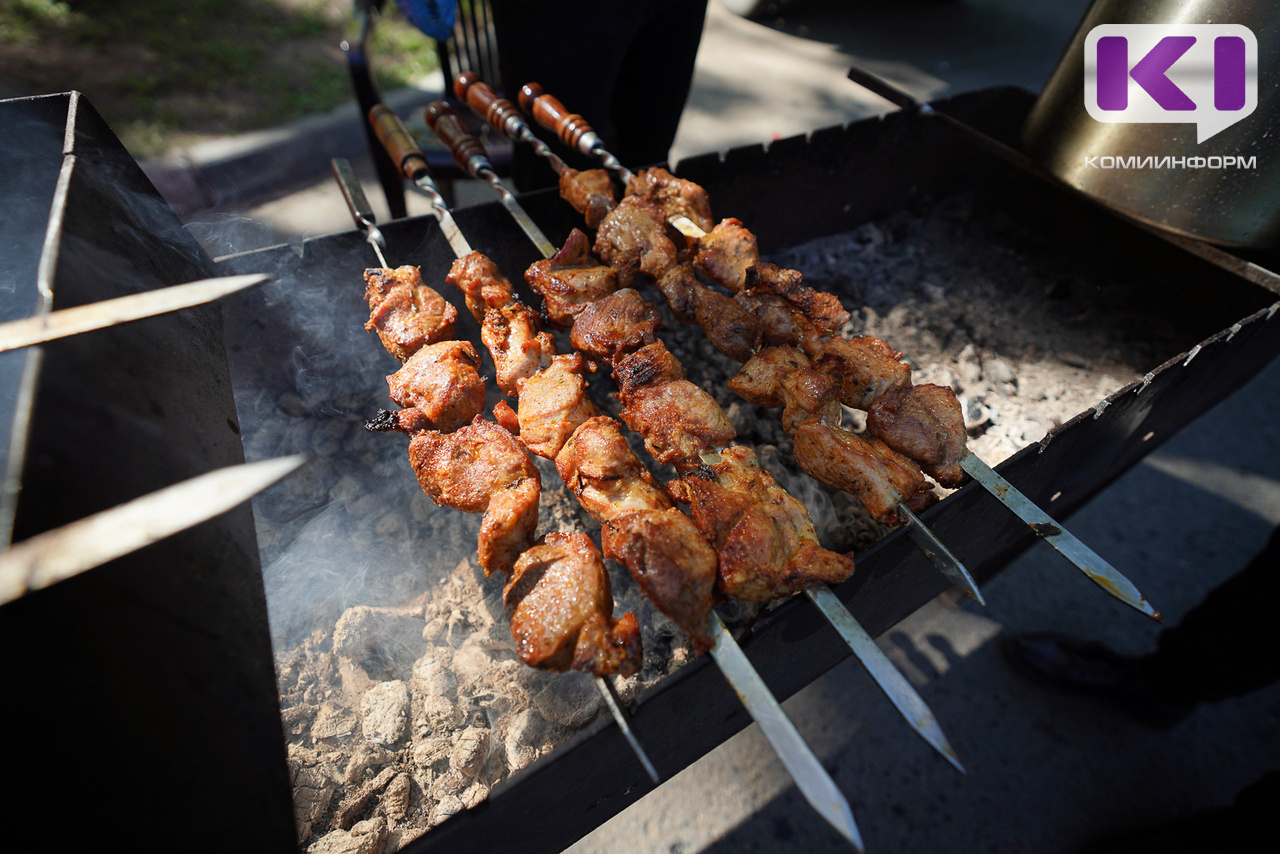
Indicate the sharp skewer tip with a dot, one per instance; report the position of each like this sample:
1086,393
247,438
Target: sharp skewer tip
612,701
1063,541
887,677
813,780
941,557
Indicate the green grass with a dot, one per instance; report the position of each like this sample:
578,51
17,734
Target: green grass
167,72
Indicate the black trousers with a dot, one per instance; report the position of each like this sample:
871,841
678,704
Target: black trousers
624,65
1228,644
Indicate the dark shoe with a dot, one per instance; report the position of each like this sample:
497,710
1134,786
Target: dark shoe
1088,667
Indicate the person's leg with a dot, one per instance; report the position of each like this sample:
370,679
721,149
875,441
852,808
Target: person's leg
1226,645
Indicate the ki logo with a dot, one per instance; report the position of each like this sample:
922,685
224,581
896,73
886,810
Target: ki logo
1206,74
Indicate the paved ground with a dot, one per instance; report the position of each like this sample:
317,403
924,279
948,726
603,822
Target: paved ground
1046,771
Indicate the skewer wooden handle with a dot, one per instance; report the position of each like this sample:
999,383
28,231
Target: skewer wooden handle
398,142
572,128
467,151
499,112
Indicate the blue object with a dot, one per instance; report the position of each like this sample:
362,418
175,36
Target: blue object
433,17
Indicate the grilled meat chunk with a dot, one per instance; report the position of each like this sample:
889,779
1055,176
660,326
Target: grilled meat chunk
633,237
508,328
441,381
731,329
677,420
561,610
726,253
404,312
675,196
641,528
781,324
821,309
619,323
765,540
866,367
783,376
482,468
571,280
554,403
926,423
590,192
863,467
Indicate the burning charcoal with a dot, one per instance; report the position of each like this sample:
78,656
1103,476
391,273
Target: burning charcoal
395,801
997,371
385,712
365,759
570,701
524,737
470,751
474,794
438,714
431,751
297,720
313,789
384,642
431,678
367,837
357,803
445,807
333,721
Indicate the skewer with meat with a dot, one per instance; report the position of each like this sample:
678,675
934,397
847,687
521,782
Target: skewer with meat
557,592
640,526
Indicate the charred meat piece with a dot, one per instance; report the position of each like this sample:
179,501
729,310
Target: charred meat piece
441,381
508,328
726,254
866,367
571,280
926,423
678,420
650,365
404,312
619,323
482,468
634,237
783,376
781,324
590,192
561,610
823,310
554,403
731,329
864,467
675,196
764,537
641,528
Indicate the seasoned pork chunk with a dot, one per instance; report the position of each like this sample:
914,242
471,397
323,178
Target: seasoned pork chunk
482,468
561,609
634,237
442,382
726,253
590,192
926,423
863,467
675,196
404,312
571,280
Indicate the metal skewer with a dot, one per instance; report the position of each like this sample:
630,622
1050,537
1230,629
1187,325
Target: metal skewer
358,204
45,559
553,116
354,194
887,677
98,315
811,778
1066,543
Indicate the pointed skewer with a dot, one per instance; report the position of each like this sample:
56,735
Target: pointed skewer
895,686
45,559
553,116
98,315
354,194
812,779
1066,543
